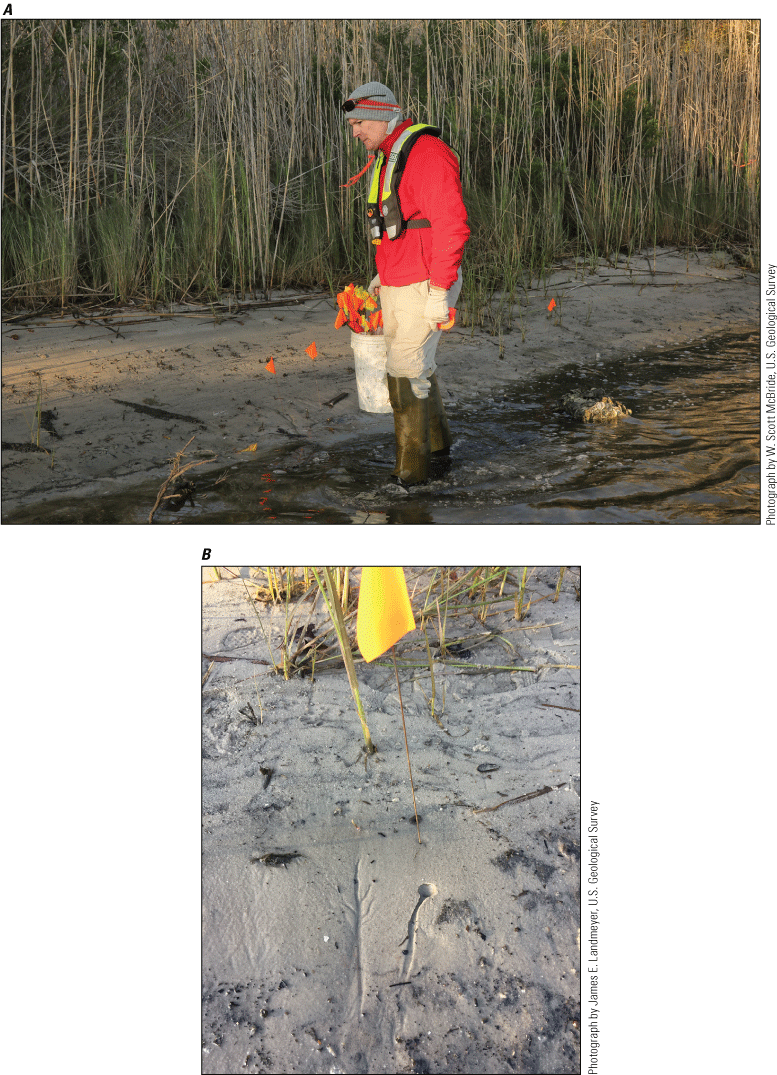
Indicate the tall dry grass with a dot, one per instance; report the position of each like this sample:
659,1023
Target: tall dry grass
168,159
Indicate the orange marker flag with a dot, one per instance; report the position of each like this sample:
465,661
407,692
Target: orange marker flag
311,350
270,365
384,613
551,305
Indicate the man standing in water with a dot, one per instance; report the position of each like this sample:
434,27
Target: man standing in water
418,223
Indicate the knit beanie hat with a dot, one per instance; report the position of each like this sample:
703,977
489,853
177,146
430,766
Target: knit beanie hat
373,100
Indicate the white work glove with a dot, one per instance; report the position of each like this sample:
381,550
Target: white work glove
374,287
436,309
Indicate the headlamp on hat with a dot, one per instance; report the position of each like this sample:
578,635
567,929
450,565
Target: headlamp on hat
368,102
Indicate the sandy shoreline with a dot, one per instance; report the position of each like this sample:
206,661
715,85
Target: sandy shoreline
124,395
368,952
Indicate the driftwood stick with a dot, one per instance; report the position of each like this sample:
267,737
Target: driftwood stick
176,470
521,798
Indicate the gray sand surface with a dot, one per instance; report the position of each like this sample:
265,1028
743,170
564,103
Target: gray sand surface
368,952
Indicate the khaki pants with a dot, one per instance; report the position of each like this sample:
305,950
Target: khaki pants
411,342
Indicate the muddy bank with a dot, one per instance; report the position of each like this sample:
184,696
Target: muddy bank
122,393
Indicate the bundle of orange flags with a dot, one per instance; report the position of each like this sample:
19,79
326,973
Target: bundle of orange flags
359,311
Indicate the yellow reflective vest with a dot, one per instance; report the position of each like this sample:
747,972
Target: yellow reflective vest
384,214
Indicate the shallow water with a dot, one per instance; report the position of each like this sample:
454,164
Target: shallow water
688,454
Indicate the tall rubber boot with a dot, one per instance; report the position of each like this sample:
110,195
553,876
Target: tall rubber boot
411,432
439,430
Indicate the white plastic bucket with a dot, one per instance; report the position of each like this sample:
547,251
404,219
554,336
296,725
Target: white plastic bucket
369,354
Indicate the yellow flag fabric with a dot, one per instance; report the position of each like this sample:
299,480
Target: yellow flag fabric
384,613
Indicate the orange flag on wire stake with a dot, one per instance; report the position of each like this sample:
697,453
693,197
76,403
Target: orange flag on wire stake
311,350
270,365
384,613
552,305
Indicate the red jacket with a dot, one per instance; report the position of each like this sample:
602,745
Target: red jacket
430,187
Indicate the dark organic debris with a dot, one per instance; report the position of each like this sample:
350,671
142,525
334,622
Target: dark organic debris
183,492
22,446
277,858
158,412
248,712
455,910
47,419
505,860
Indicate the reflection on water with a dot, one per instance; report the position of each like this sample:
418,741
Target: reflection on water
689,454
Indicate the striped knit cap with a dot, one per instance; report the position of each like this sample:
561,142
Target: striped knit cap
374,101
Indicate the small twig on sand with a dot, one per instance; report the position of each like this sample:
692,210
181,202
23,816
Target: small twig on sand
176,470
521,798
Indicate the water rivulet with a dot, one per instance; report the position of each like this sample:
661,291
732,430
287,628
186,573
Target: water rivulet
688,454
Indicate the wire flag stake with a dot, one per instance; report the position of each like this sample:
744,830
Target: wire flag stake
384,616
404,729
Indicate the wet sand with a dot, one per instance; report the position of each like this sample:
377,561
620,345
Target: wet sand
123,393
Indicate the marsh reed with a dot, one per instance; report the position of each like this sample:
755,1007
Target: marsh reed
168,160
439,597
